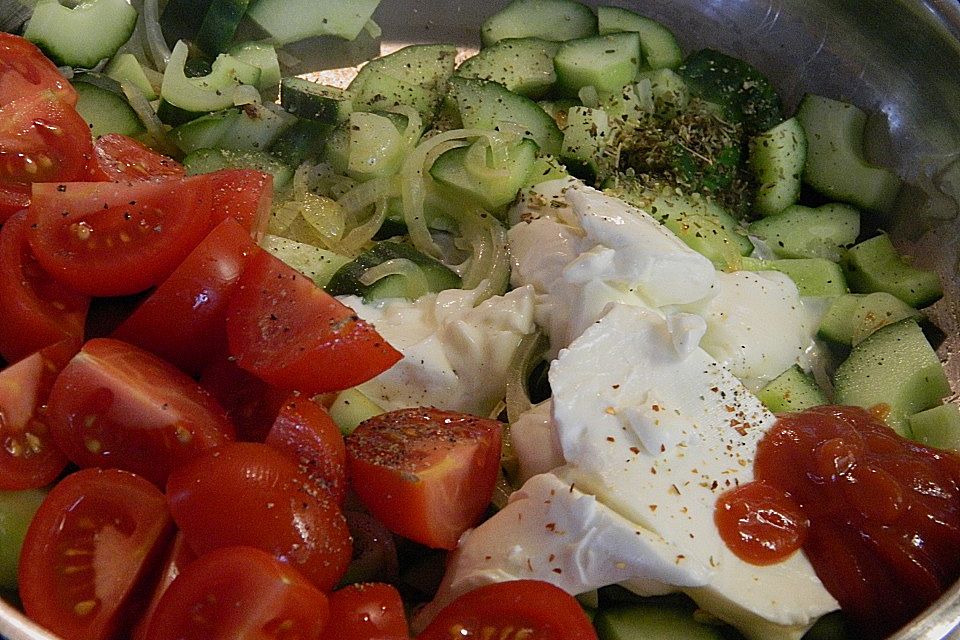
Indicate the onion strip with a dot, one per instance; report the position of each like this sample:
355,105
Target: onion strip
156,45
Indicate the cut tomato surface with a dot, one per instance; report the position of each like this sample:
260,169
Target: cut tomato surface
426,474
250,494
366,611
295,335
24,70
36,310
117,157
119,238
306,434
516,609
29,459
115,405
239,593
184,319
88,548
252,405
177,557
42,139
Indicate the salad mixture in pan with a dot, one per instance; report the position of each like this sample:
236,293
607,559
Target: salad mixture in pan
577,336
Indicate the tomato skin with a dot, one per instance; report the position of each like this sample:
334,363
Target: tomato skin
111,526
239,593
115,405
36,310
177,558
306,433
252,405
13,198
251,495
244,195
29,459
426,474
41,139
286,330
365,611
117,157
548,612
184,319
25,70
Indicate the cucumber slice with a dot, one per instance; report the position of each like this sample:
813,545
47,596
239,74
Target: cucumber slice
291,20
658,44
586,135
489,105
792,390
375,147
836,166
264,57
670,93
350,408
192,97
852,317
209,160
776,158
414,76
814,277
317,264
522,65
124,67
804,232
937,427
419,274
742,92
204,132
493,187
652,620
16,511
101,102
301,141
556,20
315,101
219,25
606,63
894,369
875,265
81,36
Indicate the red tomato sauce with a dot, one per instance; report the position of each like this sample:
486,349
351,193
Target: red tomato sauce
878,515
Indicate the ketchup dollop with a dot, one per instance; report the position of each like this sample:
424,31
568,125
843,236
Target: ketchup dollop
877,515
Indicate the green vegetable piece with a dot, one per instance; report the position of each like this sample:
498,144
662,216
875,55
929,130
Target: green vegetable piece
470,171
652,620
287,21
805,232
776,158
124,67
875,265
81,36
556,20
317,264
208,160
792,390
741,91
350,408
937,427
101,102
606,63
896,370
315,101
263,56
852,317
659,46
219,25
410,274
814,277
414,76
522,65
16,512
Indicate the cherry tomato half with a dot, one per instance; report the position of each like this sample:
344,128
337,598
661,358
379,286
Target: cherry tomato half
365,611
96,535
251,495
239,593
115,405
294,335
516,609
24,70
118,157
426,474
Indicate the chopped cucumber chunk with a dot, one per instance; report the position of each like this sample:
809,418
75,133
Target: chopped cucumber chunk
937,427
406,273
814,277
875,265
556,20
522,65
317,264
792,390
84,35
16,512
805,232
414,76
659,46
101,102
286,21
852,317
776,158
606,63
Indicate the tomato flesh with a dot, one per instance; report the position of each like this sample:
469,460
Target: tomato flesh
251,495
115,405
306,433
98,532
36,310
364,611
286,330
516,609
118,157
184,319
426,474
24,70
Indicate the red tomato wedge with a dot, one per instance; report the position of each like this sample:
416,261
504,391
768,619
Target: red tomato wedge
184,319
516,609
118,157
24,70
365,611
36,310
294,335
239,593
250,494
96,535
42,139
29,459
177,558
426,474
119,238
115,405
308,436
252,405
